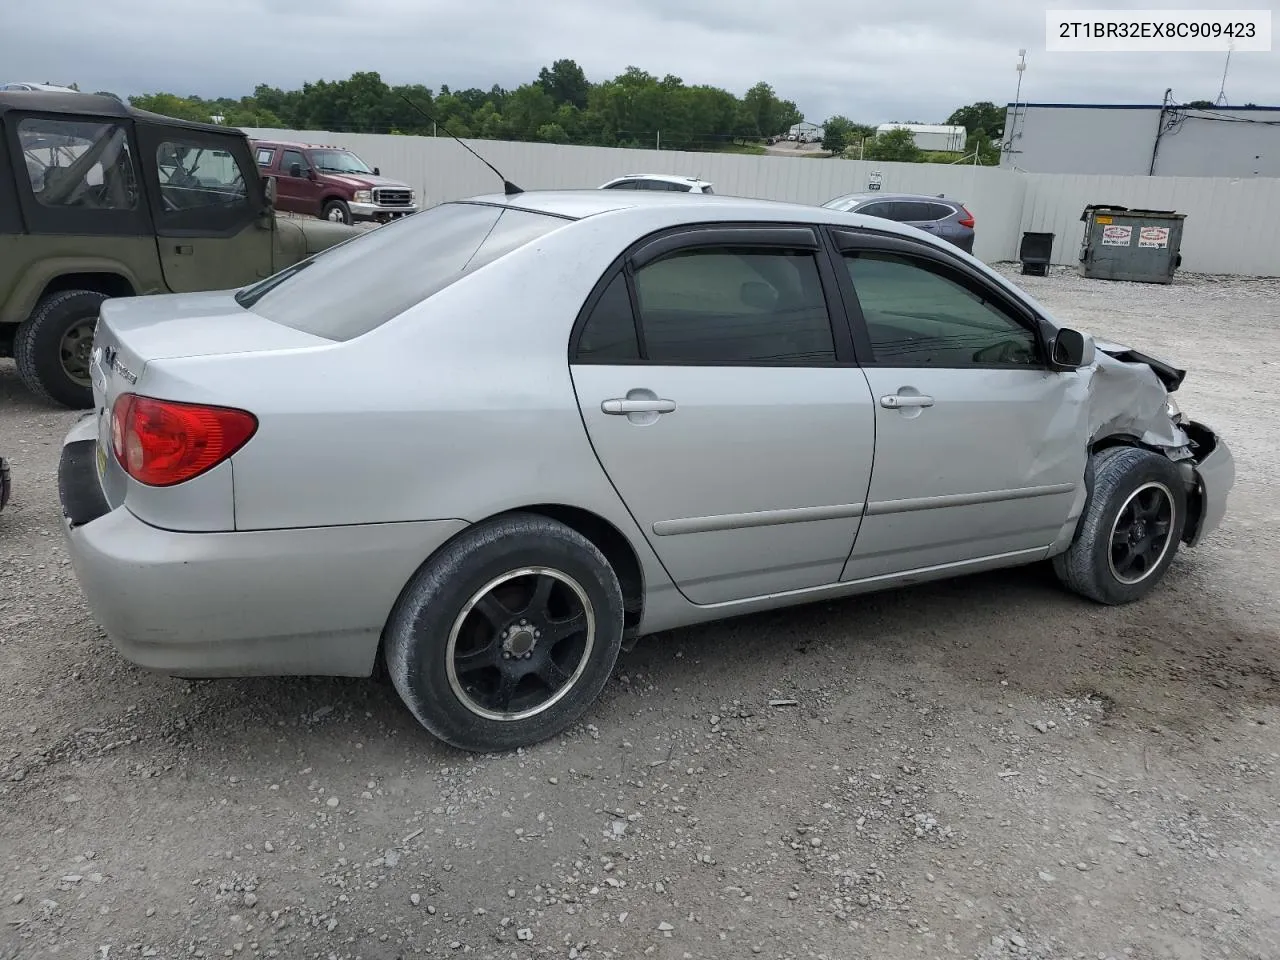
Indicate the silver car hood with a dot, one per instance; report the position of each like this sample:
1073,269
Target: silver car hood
1127,393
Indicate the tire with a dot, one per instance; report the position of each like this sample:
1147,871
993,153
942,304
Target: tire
1119,478
38,347
460,699
337,211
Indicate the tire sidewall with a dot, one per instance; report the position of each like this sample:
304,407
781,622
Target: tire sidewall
341,205
1136,472
38,345
417,636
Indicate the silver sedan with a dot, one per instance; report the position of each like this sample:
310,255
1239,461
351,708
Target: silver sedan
487,444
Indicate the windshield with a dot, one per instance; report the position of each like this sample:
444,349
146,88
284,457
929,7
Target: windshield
360,284
339,161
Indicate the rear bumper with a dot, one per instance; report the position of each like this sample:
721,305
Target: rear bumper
1216,474
255,603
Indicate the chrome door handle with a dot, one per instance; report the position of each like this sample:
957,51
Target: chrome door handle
898,401
620,408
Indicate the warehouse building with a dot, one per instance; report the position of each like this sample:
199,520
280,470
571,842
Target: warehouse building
1165,140
931,136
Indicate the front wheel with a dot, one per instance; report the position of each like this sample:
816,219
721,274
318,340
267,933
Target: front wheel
336,211
506,636
1130,529
53,347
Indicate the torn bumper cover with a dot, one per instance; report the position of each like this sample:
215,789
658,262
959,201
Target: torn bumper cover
1129,396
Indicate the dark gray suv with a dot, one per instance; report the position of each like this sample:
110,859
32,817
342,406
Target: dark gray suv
947,219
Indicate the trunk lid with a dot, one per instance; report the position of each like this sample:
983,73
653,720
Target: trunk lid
135,331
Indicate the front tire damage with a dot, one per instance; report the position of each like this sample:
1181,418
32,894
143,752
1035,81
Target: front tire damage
1131,527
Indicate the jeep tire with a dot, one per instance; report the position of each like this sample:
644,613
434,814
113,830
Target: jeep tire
52,347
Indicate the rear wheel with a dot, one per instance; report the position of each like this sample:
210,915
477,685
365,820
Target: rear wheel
508,635
53,346
1130,529
336,211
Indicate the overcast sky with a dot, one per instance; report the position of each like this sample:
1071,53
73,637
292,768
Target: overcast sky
873,61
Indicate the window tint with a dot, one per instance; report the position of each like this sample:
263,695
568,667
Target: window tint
362,283
624,185
195,175
916,316
290,158
82,165
734,305
940,211
609,335
884,209
906,211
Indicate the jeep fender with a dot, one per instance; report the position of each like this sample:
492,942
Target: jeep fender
38,277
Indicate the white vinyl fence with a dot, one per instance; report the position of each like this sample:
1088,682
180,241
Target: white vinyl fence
1232,227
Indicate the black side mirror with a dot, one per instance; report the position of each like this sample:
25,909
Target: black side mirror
295,170
1072,349
377,172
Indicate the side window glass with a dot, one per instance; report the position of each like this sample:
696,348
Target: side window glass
264,156
734,305
882,209
289,159
609,335
917,316
82,165
940,211
195,176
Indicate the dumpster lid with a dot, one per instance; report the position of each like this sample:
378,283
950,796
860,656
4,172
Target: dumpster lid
1135,212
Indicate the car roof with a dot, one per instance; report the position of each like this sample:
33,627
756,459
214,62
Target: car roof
296,143
879,195
95,105
668,177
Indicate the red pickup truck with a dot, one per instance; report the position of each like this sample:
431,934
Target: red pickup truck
331,183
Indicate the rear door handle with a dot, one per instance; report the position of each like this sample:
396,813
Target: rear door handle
898,401
620,408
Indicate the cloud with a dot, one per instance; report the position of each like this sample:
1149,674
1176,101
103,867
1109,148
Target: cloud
871,61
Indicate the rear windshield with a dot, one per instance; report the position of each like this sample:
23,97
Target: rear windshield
360,284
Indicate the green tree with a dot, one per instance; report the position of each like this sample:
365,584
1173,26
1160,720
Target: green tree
565,82
892,145
837,134
983,118
552,133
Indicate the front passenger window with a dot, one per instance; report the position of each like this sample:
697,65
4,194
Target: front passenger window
918,316
195,176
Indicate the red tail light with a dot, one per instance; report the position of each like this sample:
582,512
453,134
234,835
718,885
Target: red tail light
162,443
967,219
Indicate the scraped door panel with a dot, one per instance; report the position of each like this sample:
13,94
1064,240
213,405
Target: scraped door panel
748,480
992,466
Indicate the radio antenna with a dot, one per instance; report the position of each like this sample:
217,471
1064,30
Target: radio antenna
508,188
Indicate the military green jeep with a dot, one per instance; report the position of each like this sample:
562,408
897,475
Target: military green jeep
100,200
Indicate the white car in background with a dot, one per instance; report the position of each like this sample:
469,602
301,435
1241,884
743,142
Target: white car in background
658,181
46,87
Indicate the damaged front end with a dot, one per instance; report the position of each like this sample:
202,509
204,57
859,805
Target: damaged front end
1130,403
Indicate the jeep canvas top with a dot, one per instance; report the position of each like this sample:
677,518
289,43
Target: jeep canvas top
100,200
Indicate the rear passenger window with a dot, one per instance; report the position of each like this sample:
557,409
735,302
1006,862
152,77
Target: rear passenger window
609,335
734,306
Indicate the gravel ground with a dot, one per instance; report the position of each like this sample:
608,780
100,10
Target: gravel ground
986,768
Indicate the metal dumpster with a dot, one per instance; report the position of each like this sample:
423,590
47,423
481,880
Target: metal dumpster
1124,244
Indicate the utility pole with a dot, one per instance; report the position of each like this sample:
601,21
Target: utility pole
1017,99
